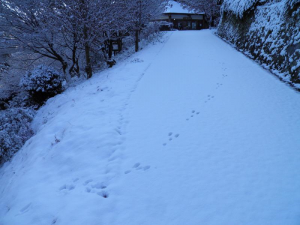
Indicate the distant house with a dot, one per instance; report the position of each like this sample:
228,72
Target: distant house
183,19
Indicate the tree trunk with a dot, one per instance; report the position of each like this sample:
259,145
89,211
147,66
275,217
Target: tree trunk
87,49
136,40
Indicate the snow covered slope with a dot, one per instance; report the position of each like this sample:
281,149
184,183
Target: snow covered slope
268,32
188,131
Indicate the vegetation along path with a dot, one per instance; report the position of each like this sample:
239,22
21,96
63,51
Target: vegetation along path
186,132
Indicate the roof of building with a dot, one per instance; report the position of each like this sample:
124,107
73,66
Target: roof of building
176,7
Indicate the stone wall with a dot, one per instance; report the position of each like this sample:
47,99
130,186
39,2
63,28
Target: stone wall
268,32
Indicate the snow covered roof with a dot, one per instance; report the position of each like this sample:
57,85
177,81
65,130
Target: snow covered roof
176,7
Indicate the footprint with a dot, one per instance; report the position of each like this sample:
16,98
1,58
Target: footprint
136,165
103,194
146,168
87,181
99,186
68,187
177,135
25,208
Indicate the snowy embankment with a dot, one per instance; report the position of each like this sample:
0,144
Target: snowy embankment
64,173
205,137
267,31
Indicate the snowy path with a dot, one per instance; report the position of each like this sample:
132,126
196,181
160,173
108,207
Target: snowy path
212,139
186,132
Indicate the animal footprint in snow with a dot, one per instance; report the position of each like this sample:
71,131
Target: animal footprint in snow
209,97
171,136
146,168
87,181
137,166
25,208
218,85
103,194
67,187
94,188
127,171
99,186
194,113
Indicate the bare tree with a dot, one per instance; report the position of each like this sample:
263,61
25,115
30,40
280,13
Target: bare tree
71,31
62,30
140,12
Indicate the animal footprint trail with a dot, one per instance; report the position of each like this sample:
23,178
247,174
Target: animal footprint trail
194,113
171,136
98,188
67,187
209,98
138,167
219,85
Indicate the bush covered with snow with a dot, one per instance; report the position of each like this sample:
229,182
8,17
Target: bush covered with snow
150,30
14,130
42,83
269,33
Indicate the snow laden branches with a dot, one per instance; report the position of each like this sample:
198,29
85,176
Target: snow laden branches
209,7
140,12
72,32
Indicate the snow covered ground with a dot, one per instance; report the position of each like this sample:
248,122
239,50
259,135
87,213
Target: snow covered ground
186,132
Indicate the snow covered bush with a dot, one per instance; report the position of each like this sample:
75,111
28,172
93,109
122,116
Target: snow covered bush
42,83
151,29
14,130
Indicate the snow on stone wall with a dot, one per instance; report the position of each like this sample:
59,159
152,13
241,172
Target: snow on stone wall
238,7
268,33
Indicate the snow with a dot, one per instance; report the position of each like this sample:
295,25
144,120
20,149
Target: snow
188,131
176,7
270,38
238,7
